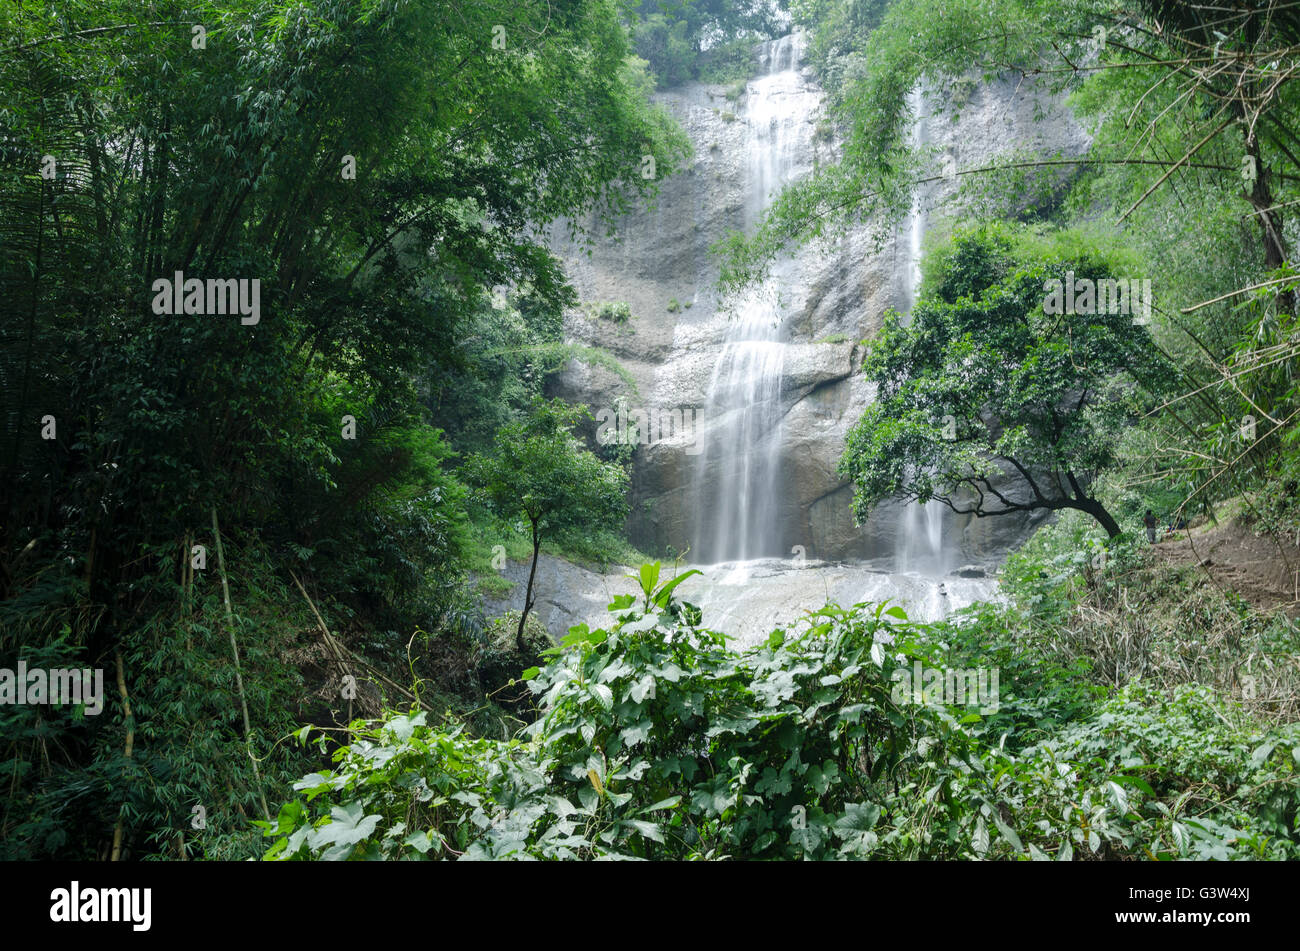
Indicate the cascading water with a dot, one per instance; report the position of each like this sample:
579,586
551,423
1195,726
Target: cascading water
740,494
740,484
919,541
767,395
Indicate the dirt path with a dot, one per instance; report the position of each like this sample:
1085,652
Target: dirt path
1264,571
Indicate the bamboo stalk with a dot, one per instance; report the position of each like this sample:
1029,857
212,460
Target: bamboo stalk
234,650
329,639
330,642
340,651
130,747
187,589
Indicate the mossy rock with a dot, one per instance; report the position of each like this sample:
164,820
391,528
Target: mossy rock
500,660
502,633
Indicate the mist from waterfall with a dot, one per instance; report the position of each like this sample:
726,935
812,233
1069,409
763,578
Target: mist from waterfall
739,482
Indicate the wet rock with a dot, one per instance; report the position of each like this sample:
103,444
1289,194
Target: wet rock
829,298
745,600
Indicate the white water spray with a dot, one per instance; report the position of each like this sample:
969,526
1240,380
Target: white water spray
740,489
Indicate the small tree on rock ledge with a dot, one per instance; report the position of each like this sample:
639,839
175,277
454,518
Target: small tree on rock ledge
988,403
539,470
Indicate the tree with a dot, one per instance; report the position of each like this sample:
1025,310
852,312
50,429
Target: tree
988,402
375,169
1176,89
539,470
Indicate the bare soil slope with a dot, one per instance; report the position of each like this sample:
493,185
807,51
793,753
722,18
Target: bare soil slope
1262,570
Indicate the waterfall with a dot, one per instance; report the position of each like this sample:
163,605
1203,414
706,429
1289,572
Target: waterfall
919,540
739,475
740,493
753,492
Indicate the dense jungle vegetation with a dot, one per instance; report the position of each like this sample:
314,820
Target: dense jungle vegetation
275,537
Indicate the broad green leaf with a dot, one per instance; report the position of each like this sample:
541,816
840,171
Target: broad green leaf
649,577
665,592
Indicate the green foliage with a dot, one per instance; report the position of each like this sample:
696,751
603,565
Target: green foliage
709,40
988,402
666,47
1125,616
376,295
840,30
1052,570
729,63
539,471
617,312
68,779
656,741
509,351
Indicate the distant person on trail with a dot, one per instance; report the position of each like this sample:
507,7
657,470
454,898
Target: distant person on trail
1149,520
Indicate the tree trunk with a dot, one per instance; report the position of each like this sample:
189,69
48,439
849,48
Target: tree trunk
528,593
1098,511
1260,198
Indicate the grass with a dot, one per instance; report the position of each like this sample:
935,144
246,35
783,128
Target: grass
1167,625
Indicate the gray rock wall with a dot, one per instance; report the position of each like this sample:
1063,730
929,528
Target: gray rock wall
832,297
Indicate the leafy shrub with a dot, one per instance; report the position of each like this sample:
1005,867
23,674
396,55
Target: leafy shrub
657,741
618,312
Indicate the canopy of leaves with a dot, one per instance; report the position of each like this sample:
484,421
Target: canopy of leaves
540,470
983,387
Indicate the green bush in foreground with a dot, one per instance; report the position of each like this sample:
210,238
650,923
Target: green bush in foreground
657,741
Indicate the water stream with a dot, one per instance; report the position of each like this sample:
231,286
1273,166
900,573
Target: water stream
743,411
919,547
754,578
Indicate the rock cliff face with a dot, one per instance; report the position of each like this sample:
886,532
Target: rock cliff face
822,302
